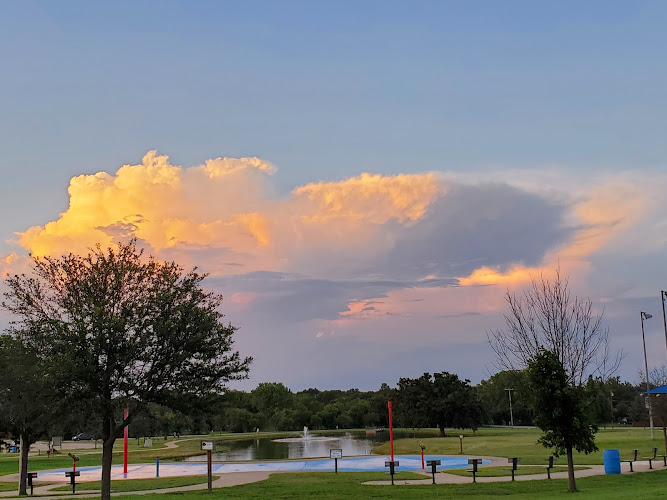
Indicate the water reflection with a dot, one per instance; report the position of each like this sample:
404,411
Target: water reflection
352,444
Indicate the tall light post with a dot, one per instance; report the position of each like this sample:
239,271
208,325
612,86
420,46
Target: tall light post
645,315
663,296
509,393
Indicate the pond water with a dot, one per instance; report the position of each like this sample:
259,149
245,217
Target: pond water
313,446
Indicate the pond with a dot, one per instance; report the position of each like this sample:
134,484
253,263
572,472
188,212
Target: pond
353,444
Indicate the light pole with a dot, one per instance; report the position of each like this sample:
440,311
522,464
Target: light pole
509,393
663,296
645,315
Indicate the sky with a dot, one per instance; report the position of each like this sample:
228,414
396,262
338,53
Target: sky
364,181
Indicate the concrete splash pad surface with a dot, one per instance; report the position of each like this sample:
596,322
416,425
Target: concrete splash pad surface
174,469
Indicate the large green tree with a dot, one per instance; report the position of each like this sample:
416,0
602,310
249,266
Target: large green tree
123,330
27,401
561,410
440,400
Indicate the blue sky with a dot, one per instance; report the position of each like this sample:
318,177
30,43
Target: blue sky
568,94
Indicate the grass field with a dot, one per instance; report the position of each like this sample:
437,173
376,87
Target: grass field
9,486
323,486
139,484
508,442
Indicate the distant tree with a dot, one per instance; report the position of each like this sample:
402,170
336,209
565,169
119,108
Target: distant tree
561,410
494,399
441,400
27,403
121,330
269,398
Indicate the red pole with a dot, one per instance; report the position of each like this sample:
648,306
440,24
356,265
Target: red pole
126,434
73,465
422,458
391,432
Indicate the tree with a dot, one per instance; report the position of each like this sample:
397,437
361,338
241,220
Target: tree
442,400
27,405
547,318
493,396
121,330
561,410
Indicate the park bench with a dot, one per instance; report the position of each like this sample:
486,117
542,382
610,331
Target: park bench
30,476
433,464
550,466
650,459
72,475
475,463
515,465
664,459
632,460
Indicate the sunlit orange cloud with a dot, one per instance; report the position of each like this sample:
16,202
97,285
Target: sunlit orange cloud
418,302
223,204
14,264
373,198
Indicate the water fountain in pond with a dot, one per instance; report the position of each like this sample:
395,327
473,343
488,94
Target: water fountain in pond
306,437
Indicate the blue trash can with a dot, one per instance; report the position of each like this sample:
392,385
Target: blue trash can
612,461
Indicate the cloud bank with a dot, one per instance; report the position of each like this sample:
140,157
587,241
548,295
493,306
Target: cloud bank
403,261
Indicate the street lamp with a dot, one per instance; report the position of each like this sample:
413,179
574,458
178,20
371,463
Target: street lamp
645,315
509,393
663,296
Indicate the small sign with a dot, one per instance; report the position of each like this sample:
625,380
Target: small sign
148,443
336,453
207,445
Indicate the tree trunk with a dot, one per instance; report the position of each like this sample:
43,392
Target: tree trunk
442,430
107,458
23,464
572,485
664,433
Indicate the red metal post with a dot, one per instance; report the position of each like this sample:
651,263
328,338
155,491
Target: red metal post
391,432
125,435
422,458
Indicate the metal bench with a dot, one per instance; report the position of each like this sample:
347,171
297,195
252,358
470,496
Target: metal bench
650,459
29,478
475,463
515,464
631,461
550,466
72,475
433,464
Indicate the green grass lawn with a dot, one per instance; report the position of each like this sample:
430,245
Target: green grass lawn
9,486
504,471
139,484
508,442
327,486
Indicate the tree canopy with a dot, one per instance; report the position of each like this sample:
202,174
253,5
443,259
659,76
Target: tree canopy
441,400
123,330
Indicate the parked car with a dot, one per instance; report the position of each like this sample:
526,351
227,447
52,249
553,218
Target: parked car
83,436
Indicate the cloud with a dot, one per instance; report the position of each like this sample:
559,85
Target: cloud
396,260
